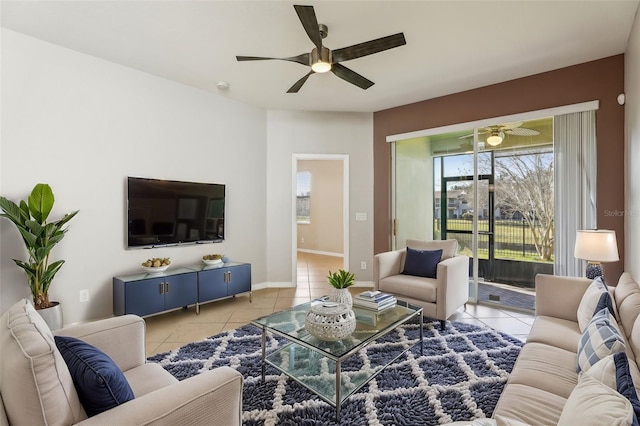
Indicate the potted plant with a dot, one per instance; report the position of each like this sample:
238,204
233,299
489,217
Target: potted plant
39,237
340,281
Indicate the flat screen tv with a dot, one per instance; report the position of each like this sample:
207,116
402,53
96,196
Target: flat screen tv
166,212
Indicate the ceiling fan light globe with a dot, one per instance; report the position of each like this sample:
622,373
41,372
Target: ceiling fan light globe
320,67
494,140
321,62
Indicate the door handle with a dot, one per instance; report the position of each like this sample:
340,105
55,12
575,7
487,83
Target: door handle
166,287
161,287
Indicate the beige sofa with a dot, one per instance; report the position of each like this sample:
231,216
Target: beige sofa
544,377
36,387
439,297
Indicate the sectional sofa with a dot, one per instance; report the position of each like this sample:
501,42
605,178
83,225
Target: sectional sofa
572,331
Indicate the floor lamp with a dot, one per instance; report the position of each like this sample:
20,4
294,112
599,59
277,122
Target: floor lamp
596,246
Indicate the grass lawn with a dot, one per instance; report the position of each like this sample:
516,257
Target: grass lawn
507,233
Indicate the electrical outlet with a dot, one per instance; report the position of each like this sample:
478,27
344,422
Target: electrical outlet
84,296
302,239
363,265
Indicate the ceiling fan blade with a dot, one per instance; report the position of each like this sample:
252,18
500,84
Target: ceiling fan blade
351,76
298,84
303,59
521,131
509,126
368,47
470,135
307,17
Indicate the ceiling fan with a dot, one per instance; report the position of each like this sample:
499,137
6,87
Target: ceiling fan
322,59
498,132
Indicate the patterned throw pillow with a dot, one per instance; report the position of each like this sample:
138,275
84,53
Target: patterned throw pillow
615,372
593,403
596,295
600,338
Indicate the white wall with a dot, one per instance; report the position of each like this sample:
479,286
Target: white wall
299,132
83,125
632,136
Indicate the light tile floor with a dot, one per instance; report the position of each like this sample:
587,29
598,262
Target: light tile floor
174,329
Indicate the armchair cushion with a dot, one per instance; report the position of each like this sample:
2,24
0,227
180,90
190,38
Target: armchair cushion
418,288
98,380
422,263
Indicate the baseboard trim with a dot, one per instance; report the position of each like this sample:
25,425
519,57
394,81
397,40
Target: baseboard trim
320,252
281,284
284,284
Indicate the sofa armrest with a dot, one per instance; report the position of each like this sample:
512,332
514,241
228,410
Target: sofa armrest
121,338
386,264
558,296
211,398
453,285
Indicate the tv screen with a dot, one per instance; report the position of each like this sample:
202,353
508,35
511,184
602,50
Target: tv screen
165,212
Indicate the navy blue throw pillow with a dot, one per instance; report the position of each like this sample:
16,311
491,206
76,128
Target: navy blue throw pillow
422,263
98,380
624,384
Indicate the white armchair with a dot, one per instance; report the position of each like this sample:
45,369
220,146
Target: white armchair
439,297
36,387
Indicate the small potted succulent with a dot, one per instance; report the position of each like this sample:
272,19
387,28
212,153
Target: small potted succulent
340,281
39,237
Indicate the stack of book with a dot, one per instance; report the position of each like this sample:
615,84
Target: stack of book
375,300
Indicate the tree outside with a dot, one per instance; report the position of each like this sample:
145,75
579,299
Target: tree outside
523,193
524,190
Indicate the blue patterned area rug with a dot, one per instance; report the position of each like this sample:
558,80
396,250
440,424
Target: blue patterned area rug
460,377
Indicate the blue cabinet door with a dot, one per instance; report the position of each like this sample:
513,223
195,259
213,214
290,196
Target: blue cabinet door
212,284
239,279
180,290
144,297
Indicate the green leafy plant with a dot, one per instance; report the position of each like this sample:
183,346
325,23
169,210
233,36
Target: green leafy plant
40,237
341,279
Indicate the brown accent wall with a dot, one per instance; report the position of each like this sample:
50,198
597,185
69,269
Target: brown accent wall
600,80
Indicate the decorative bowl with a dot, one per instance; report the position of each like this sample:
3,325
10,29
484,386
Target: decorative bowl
330,321
156,270
211,262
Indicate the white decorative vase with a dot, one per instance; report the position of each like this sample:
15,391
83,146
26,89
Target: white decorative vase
330,321
341,295
52,316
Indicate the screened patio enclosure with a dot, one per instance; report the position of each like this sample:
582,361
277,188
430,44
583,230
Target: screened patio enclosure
494,195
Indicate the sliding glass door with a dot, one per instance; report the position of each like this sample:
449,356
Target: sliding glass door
491,189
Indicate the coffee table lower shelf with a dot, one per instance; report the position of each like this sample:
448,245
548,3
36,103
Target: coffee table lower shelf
322,375
329,376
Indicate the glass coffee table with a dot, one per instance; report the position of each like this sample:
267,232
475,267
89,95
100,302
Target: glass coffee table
317,364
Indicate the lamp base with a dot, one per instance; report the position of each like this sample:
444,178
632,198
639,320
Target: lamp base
594,270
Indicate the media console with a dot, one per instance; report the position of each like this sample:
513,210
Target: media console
146,294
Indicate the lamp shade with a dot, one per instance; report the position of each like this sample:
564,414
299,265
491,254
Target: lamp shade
596,245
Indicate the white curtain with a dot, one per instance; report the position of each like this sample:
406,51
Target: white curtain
575,186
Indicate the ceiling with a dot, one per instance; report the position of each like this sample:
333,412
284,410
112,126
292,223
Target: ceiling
452,46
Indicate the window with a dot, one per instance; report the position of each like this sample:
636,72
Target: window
303,197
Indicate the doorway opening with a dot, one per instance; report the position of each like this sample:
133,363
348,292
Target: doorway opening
320,227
